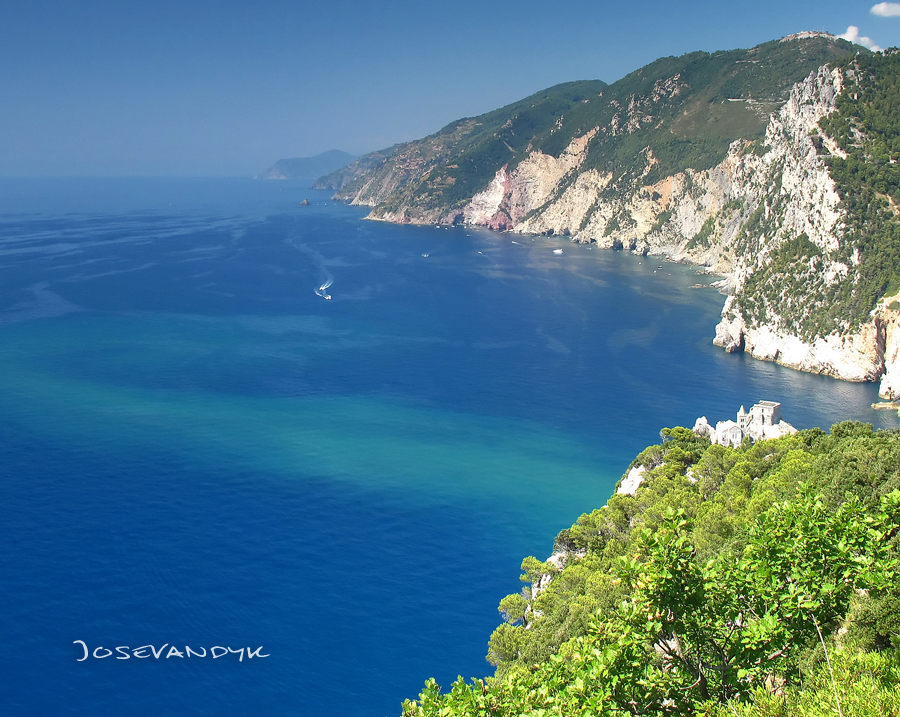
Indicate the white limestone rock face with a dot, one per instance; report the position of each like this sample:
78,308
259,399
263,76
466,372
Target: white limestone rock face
510,196
486,205
701,216
808,203
702,428
853,358
631,482
566,215
543,188
886,319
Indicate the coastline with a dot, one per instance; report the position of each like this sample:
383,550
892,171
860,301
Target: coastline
707,218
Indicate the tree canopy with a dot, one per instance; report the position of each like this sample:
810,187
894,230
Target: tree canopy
734,579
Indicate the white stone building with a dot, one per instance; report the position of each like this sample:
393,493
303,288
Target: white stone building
763,420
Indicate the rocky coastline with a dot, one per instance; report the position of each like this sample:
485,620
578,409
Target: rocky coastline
732,219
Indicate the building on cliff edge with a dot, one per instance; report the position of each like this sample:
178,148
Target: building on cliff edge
763,420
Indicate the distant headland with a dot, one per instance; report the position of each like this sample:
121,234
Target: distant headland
307,169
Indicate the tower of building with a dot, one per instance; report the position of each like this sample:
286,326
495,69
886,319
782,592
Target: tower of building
742,418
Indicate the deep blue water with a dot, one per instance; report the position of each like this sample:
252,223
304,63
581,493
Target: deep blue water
199,450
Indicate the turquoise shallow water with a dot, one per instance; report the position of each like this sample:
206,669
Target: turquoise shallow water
200,450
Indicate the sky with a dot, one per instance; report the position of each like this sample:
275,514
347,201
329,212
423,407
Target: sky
226,88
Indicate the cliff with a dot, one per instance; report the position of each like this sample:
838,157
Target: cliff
769,217
418,181
683,111
784,184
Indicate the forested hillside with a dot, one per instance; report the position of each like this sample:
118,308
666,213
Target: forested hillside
686,110
759,580
448,167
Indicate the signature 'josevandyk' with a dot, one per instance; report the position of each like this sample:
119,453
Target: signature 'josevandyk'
126,653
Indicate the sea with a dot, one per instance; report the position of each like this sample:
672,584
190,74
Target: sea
228,420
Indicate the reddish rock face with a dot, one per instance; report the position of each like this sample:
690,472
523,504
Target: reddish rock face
500,221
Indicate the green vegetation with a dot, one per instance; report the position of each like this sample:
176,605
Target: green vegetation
612,226
445,169
697,104
794,285
866,126
701,238
758,581
677,112
687,110
661,220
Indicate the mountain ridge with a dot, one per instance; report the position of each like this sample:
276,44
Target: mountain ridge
549,120
307,168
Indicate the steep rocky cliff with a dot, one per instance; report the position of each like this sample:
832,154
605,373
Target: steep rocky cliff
420,181
769,216
718,160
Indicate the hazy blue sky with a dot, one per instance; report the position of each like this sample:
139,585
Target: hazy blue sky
198,87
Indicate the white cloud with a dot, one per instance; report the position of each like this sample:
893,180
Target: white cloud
853,36
886,9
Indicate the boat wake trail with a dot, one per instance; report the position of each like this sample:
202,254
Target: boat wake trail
325,276
321,290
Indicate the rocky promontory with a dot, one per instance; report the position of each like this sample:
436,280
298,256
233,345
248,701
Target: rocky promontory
307,168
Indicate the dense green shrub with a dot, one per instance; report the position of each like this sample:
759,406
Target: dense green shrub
727,582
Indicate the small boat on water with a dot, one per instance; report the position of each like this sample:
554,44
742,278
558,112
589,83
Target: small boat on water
321,290
557,251
426,255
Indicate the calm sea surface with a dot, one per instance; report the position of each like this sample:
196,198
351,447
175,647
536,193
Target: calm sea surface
197,449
